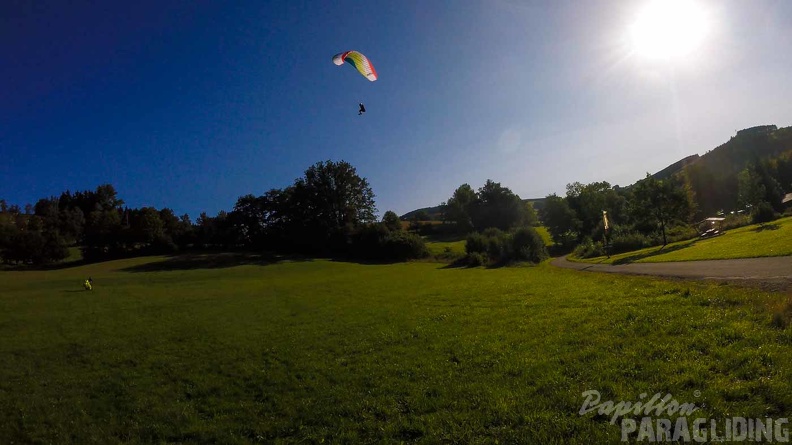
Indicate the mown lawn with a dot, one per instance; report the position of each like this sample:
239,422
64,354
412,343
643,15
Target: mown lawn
772,239
440,248
545,234
196,349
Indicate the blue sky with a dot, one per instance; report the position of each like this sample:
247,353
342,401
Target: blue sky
191,104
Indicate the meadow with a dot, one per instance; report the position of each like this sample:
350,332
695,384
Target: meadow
242,349
770,239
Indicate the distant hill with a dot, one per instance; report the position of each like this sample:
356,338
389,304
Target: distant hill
436,213
713,177
676,167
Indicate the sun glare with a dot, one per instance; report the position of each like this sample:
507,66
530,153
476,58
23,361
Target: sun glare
668,28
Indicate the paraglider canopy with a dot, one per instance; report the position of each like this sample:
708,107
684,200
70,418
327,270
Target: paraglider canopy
359,61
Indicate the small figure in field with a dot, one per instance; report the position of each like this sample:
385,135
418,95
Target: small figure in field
88,285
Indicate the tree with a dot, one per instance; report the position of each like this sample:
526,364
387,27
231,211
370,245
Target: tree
391,221
531,218
338,196
72,223
459,207
249,219
561,221
589,200
661,201
326,204
102,233
751,190
106,197
147,225
498,207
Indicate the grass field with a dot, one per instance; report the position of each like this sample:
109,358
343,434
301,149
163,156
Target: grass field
446,248
772,239
542,230
200,349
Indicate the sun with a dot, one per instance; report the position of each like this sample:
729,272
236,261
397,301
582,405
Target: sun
667,29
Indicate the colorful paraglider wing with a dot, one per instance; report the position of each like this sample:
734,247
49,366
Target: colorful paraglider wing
359,61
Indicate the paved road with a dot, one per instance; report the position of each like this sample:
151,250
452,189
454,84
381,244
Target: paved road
776,271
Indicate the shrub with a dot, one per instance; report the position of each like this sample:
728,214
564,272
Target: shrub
496,246
476,259
475,243
589,249
367,242
492,232
627,242
679,233
376,242
163,244
735,221
402,245
763,213
527,245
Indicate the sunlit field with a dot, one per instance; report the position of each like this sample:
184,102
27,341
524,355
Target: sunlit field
201,349
771,239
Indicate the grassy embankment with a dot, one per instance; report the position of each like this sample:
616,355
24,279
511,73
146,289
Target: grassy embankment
771,239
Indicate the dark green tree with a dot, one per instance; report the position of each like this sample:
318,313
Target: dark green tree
561,221
249,220
498,207
459,207
391,221
751,189
326,204
662,202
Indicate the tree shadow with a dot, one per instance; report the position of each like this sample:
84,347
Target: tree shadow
444,237
661,251
365,262
460,263
763,227
41,267
194,261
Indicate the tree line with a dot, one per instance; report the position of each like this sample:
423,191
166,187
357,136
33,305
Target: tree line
330,210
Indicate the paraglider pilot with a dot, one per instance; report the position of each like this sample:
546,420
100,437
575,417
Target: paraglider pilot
362,109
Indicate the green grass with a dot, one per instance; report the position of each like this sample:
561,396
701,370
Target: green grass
193,350
75,255
542,230
772,239
456,248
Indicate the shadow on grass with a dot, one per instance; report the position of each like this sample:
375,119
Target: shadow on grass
212,261
764,227
459,263
462,263
660,251
444,237
39,267
365,262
